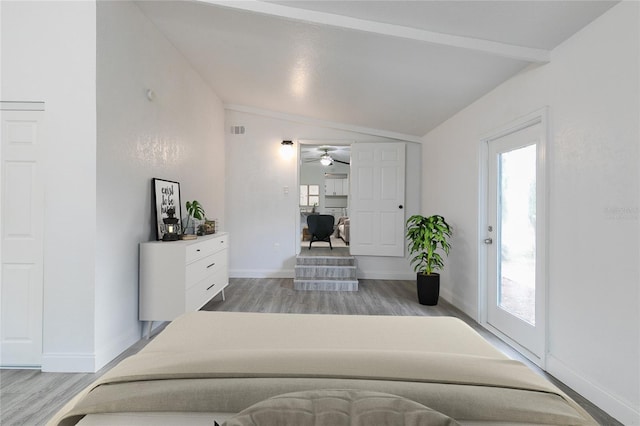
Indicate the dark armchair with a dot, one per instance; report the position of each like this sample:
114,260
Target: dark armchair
320,228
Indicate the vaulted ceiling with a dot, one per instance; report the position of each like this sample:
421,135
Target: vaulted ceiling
395,68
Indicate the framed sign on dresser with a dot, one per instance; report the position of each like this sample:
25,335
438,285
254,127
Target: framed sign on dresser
181,276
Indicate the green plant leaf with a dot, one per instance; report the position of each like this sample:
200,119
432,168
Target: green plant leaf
427,235
194,210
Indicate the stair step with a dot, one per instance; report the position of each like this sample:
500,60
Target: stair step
326,260
325,285
325,272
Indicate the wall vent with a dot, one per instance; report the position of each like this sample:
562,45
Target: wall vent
237,130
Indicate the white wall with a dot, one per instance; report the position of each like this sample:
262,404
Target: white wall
105,142
49,55
261,218
591,86
178,136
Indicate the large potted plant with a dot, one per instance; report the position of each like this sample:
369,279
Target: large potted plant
427,236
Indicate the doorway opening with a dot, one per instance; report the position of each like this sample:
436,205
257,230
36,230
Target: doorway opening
323,176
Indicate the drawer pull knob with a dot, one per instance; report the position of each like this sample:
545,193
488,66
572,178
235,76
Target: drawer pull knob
209,288
197,249
211,265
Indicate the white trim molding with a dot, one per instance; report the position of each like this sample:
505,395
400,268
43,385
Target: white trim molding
261,273
542,195
615,405
289,273
68,362
447,295
380,275
114,348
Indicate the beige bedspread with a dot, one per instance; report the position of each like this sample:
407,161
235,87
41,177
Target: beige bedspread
225,362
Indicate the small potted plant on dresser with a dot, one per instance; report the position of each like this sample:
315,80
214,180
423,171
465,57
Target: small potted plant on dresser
426,236
194,211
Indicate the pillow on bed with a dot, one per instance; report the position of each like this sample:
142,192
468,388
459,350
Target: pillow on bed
339,408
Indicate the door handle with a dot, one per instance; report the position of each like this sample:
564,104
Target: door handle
488,241
400,206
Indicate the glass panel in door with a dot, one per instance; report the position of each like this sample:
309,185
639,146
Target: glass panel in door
517,243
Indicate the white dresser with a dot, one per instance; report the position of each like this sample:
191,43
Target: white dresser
181,276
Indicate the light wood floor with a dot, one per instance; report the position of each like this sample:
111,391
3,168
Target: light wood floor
30,397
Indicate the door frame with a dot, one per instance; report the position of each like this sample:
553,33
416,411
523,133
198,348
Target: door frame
542,226
299,161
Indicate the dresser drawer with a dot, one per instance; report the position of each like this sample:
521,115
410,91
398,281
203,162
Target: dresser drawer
205,267
204,290
202,249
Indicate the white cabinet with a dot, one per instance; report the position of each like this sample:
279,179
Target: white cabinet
330,186
181,276
336,187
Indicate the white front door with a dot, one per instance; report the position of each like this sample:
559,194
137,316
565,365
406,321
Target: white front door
377,199
515,239
21,246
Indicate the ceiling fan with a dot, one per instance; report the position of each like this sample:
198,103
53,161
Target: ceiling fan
326,159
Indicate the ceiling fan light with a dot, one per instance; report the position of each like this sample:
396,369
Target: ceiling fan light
326,160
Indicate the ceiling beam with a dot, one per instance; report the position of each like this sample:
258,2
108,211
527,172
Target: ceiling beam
322,123
511,51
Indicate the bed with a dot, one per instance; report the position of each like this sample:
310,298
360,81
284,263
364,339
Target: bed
208,366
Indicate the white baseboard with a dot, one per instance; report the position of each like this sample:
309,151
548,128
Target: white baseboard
261,273
116,347
289,273
61,362
382,275
446,294
617,407
68,362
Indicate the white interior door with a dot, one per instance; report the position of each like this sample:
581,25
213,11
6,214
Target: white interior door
377,199
515,239
22,240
